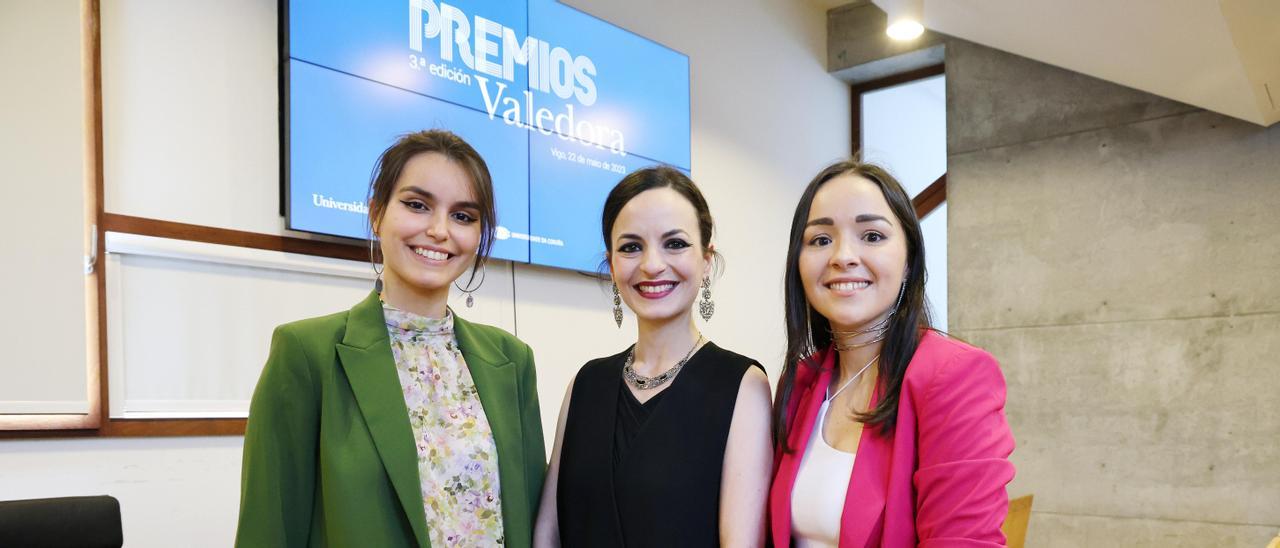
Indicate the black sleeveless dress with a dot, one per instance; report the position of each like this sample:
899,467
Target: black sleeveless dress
647,475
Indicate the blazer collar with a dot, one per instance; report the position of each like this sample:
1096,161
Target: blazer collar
865,496
497,381
474,349
365,353
863,513
801,413
366,327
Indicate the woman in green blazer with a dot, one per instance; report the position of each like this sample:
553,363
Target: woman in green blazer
396,423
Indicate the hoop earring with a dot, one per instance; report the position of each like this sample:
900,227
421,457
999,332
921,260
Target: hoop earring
471,301
377,282
617,306
706,307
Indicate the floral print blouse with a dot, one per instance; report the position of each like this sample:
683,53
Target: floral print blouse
457,458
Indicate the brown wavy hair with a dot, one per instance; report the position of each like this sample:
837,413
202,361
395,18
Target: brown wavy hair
391,164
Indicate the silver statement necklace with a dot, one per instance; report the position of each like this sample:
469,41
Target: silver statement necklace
642,382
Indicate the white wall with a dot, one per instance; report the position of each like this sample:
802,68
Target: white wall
766,117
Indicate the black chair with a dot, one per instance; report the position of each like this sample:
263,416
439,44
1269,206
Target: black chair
79,522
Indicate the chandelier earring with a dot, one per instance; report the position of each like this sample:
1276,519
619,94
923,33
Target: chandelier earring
617,306
901,291
808,329
706,307
471,301
377,282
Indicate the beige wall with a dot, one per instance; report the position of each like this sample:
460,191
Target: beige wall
765,114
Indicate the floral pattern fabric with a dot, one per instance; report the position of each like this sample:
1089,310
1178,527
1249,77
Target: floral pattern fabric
457,458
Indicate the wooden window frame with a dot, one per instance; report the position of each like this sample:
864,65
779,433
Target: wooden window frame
934,194
98,422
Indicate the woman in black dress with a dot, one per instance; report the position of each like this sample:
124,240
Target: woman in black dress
666,443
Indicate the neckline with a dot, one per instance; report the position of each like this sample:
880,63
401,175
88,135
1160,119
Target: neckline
670,384
404,320
822,422
649,404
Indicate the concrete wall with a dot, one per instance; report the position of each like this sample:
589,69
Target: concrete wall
766,116
1118,253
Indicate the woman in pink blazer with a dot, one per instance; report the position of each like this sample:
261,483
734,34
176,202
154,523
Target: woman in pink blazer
888,433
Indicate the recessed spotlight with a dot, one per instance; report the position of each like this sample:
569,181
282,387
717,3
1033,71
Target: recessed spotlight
905,29
905,17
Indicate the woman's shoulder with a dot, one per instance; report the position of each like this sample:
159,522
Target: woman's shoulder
332,328
732,366
603,365
939,355
494,337
936,344
726,356
328,328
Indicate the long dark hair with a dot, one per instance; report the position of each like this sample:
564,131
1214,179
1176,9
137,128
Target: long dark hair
808,332
391,163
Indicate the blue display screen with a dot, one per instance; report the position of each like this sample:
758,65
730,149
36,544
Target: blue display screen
560,104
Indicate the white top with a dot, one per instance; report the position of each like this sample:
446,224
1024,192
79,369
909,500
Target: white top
817,499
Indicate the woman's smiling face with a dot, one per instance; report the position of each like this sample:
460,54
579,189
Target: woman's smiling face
655,257
430,229
854,253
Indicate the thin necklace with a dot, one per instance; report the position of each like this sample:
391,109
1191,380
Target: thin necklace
843,340
853,378
642,382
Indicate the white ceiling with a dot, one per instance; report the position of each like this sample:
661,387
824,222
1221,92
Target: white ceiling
1220,55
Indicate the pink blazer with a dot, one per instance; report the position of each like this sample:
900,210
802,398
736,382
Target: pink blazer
939,479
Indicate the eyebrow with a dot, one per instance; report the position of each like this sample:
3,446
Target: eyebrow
665,235
864,218
421,192
868,217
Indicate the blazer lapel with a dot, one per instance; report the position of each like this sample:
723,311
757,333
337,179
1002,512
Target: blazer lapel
365,353
496,381
864,501
804,414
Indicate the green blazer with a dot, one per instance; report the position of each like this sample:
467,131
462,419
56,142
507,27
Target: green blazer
329,456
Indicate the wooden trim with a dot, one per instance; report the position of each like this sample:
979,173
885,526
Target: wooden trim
131,428
21,426
91,14
855,122
931,197
856,91
934,194
114,222
900,78
12,426
173,427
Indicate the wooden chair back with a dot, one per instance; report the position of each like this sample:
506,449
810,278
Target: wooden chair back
1015,524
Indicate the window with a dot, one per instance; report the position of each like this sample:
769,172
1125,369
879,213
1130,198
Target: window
900,123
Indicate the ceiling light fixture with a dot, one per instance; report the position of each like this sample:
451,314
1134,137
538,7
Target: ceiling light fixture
904,18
